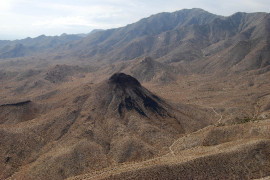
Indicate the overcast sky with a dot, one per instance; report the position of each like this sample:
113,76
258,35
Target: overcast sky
31,18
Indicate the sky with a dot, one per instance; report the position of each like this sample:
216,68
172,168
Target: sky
31,18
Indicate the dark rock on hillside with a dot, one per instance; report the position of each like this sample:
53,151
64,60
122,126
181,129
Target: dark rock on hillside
128,94
16,104
13,113
124,81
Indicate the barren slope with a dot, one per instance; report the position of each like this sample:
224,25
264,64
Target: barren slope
243,156
91,127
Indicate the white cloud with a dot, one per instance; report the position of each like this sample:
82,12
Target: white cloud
5,5
63,21
72,21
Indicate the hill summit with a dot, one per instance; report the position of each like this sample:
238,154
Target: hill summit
124,81
128,94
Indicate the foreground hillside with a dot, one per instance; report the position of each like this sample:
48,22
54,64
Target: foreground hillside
115,128
91,127
230,152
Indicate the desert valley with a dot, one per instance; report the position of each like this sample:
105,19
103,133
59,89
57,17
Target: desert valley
182,95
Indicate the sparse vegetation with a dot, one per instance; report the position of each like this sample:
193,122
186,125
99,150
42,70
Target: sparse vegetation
247,119
198,72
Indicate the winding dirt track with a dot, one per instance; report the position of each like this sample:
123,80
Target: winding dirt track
128,166
219,120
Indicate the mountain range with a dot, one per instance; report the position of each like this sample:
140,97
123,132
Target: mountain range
186,35
182,95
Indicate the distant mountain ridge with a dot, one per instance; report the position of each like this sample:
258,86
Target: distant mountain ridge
35,46
140,38
237,42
